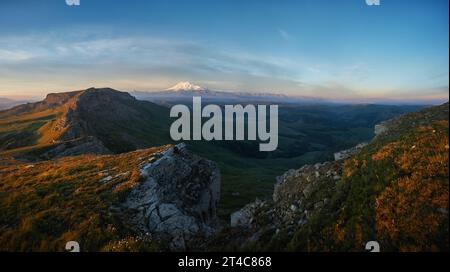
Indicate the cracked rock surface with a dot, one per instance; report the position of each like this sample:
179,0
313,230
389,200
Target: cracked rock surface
177,198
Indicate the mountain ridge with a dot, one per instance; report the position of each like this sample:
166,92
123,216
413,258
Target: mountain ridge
93,114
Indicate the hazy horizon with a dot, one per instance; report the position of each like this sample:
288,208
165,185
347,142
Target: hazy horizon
340,51
319,100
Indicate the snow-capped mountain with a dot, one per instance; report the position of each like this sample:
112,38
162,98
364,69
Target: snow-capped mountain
184,91
186,86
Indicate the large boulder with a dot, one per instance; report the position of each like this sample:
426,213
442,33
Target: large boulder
177,199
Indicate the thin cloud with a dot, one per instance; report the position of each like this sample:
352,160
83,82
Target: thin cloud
39,64
285,35
14,55
146,61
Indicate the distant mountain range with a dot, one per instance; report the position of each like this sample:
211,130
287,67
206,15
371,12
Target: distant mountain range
184,91
6,103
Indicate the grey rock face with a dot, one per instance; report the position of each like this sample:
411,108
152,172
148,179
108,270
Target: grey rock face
238,219
380,128
345,154
178,198
294,199
245,216
295,185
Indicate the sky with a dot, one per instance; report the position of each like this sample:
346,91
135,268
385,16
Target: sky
341,50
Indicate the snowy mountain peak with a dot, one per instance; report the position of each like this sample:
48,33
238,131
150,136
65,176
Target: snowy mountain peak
186,86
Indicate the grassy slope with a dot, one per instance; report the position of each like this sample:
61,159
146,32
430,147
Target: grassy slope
27,130
308,134
46,204
395,191
37,204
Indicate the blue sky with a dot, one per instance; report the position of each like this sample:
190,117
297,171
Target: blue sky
345,50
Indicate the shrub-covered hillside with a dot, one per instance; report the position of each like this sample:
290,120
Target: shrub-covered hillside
394,191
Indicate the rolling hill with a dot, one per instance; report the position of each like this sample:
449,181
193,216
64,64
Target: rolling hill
106,121
96,121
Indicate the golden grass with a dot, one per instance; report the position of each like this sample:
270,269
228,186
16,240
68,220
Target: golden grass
43,205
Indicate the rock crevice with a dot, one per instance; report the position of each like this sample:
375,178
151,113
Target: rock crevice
177,199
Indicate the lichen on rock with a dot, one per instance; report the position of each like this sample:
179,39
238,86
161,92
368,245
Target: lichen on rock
177,199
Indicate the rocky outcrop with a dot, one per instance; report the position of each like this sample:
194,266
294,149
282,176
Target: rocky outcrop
297,195
316,207
345,154
397,126
57,99
381,128
245,216
177,199
295,185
